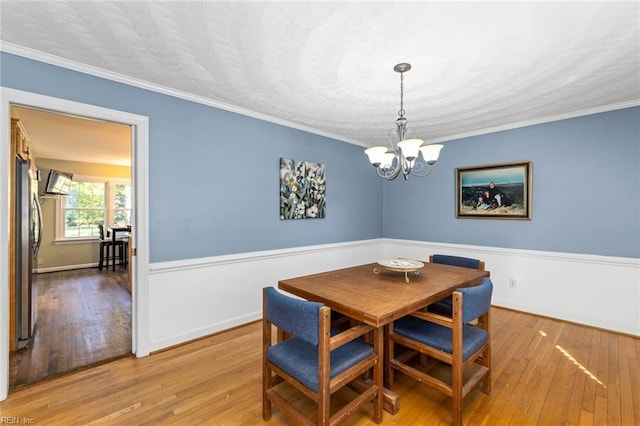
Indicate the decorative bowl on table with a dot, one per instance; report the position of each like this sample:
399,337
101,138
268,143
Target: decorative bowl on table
400,265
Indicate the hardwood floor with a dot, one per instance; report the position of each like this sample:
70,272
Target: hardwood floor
545,372
84,317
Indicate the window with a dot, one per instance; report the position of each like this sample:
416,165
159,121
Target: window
93,201
121,203
84,209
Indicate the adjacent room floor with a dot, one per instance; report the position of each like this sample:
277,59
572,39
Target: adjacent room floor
84,318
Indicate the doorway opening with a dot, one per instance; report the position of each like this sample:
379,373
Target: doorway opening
138,267
79,315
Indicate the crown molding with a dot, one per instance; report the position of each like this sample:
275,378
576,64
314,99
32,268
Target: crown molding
121,78
142,84
542,120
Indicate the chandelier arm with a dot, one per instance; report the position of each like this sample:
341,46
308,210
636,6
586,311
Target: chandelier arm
418,166
386,175
418,174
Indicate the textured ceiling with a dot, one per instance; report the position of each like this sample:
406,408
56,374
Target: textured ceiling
328,66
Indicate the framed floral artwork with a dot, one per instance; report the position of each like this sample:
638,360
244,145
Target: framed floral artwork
497,191
302,189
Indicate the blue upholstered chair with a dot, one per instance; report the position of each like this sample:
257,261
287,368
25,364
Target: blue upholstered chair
464,262
444,306
452,341
315,359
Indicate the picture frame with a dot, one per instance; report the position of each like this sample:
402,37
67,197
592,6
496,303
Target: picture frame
495,191
302,189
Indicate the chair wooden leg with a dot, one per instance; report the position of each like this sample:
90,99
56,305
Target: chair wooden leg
266,384
266,371
486,362
456,397
486,354
324,376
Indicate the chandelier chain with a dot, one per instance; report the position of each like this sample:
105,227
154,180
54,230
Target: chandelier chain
401,112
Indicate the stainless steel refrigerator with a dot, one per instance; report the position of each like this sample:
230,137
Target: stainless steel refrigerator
28,238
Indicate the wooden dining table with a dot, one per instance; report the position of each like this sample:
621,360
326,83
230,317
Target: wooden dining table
379,298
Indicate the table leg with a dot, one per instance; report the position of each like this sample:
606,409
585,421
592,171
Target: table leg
386,360
391,402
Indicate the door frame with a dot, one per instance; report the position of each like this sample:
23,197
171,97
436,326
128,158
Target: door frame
140,235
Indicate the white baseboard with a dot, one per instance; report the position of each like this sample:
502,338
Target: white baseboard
64,268
197,333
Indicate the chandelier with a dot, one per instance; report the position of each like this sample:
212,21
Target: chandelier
403,156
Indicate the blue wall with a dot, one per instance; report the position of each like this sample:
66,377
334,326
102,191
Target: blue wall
586,189
214,175
207,197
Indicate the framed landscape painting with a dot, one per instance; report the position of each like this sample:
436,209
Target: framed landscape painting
498,191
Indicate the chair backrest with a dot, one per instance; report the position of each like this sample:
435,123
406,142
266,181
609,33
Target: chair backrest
295,316
476,300
101,229
464,262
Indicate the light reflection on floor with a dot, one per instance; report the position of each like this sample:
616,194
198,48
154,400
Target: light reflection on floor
575,362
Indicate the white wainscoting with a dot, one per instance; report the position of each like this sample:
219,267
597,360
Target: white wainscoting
599,291
193,298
